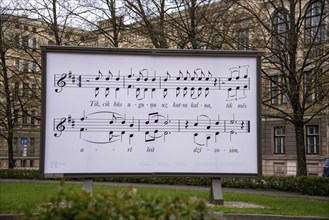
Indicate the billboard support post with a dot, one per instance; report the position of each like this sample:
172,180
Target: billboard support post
216,192
88,185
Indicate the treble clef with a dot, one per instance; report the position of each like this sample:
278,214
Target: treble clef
61,83
60,127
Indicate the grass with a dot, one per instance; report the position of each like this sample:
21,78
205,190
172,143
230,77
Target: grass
15,196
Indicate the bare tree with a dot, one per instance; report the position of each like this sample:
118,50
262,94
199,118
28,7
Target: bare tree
57,16
105,17
295,61
189,22
148,17
8,105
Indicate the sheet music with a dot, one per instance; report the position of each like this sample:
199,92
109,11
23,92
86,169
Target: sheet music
143,113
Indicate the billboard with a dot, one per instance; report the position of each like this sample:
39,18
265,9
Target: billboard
110,111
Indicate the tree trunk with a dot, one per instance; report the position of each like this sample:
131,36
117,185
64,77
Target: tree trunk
11,161
300,145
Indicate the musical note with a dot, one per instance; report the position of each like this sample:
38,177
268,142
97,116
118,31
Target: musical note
96,91
165,92
180,75
99,76
107,91
177,91
110,76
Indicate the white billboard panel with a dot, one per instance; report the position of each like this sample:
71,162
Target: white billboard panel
117,111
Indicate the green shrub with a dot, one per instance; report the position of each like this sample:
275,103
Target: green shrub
70,204
19,174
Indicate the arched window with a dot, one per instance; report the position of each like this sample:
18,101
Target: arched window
281,23
315,23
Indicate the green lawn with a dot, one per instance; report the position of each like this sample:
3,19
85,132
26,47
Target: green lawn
15,196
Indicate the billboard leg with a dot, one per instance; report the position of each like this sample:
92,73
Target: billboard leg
88,185
216,192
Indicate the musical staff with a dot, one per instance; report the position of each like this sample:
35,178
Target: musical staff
118,127
140,84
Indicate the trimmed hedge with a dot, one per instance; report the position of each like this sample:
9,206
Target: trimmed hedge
309,185
19,174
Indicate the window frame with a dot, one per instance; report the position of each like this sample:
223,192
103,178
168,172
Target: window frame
243,39
279,140
313,90
314,147
17,64
24,119
314,25
280,27
33,113
274,87
16,40
26,66
16,90
25,92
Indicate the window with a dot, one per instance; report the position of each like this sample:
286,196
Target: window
25,41
17,64
318,91
312,139
313,90
308,86
32,144
16,116
279,139
217,42
34,91
278,95
33,117
24,118
25,89
274,90
34,67
15,144
26,66
280,27
16,40
243,39
200,44
315,30
34,43
16,90
283,90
